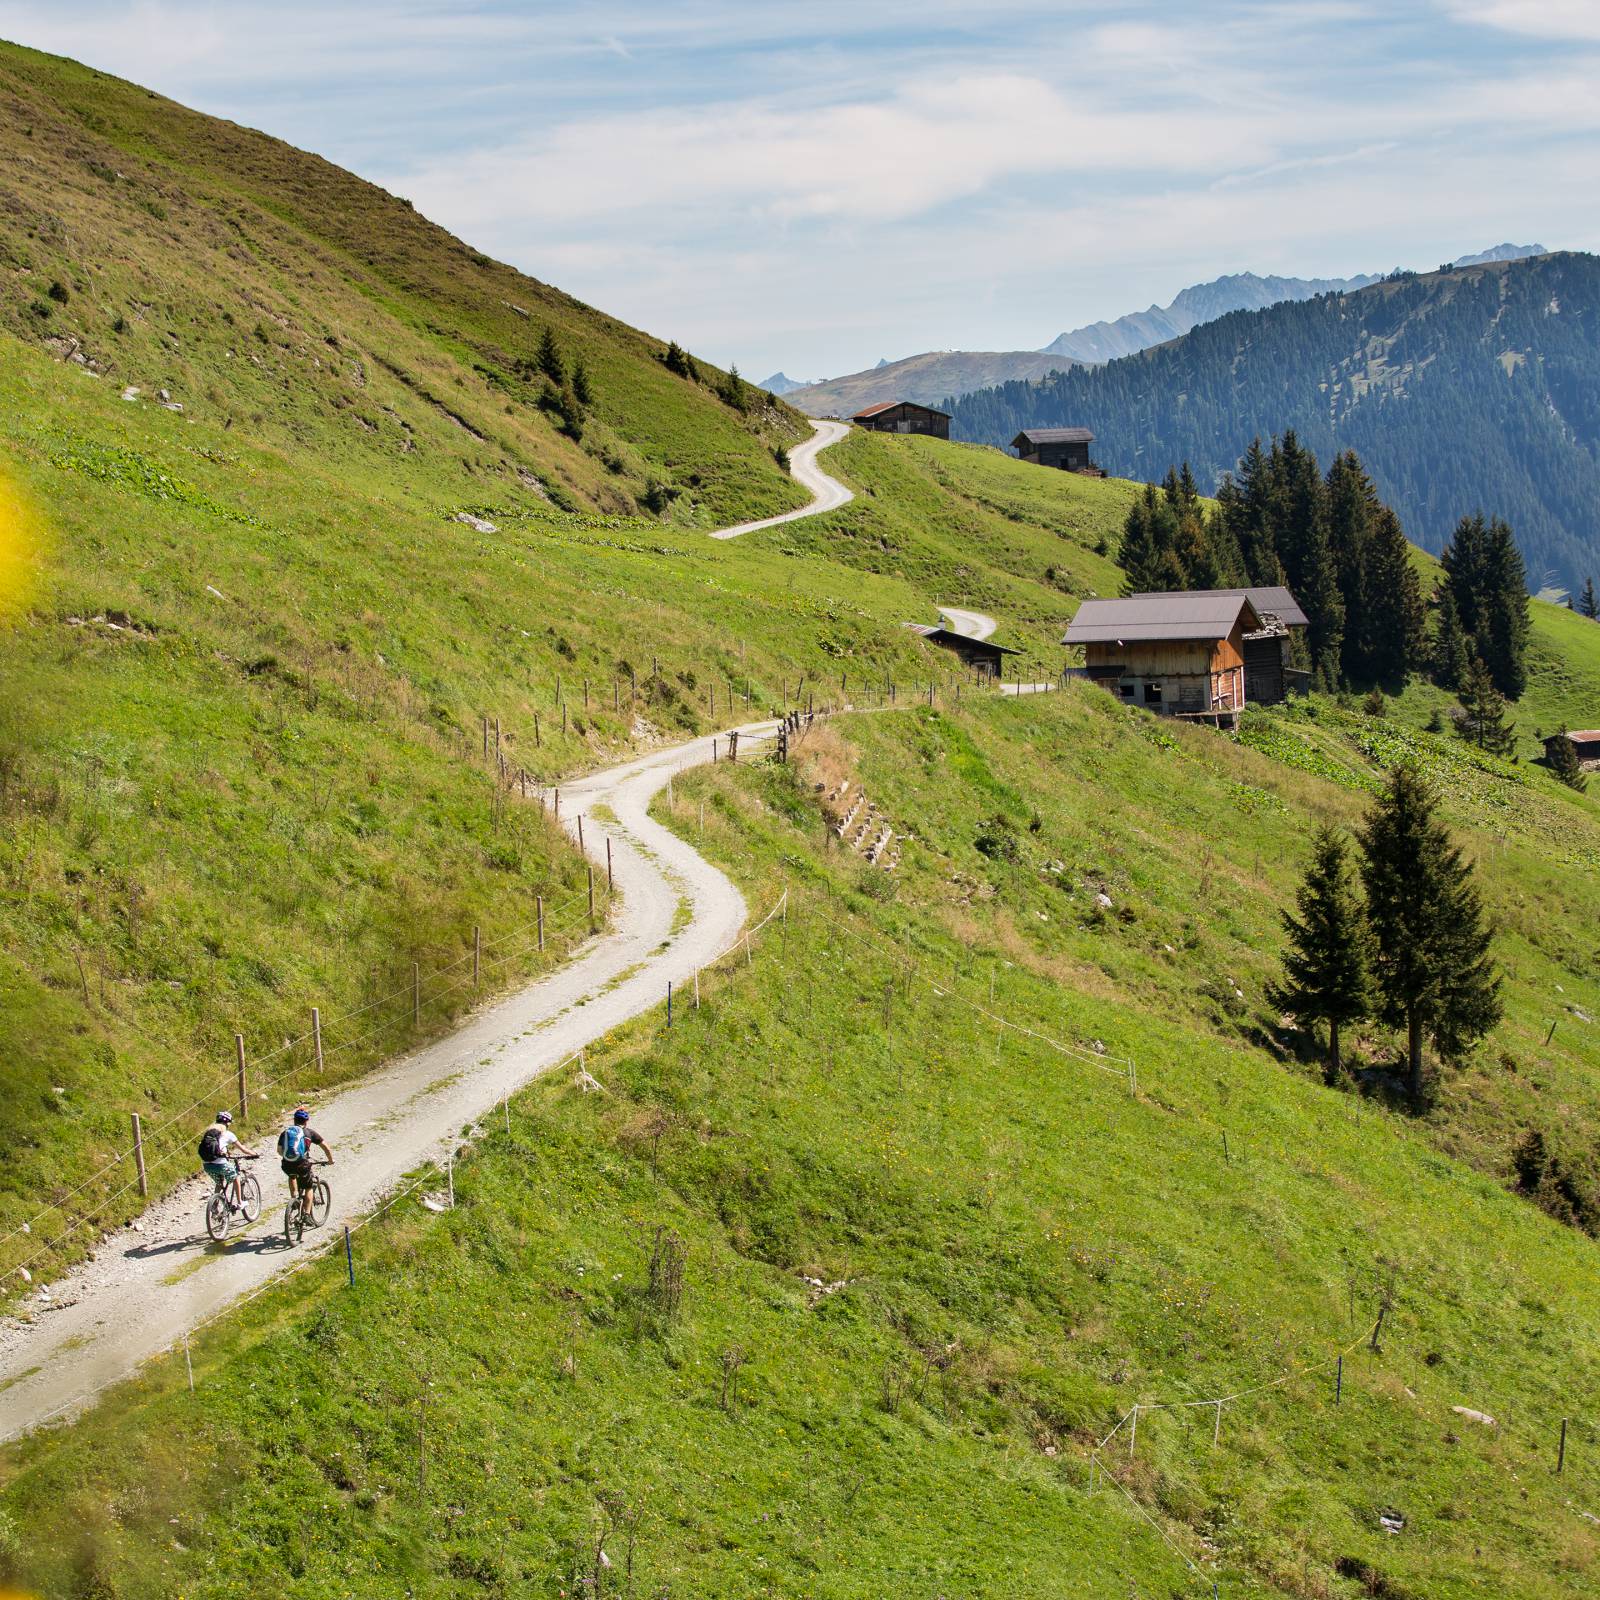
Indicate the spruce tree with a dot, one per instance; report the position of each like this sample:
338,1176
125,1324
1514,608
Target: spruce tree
1483,711
550,361
1432,967
1326,968
1562,755
1587,603
1465,563
1300,506
1502,629
1389,624
581,386
1451,651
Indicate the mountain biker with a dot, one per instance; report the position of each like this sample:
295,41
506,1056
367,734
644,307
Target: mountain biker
294,1154
215,1143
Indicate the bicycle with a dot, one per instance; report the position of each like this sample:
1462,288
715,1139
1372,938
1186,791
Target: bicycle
294,1213
220,1209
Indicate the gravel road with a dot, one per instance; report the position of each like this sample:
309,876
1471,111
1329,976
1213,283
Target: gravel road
150,1283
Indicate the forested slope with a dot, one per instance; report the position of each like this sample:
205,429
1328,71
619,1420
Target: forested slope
1464,390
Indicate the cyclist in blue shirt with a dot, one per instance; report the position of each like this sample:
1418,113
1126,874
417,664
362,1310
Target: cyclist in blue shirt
294,1154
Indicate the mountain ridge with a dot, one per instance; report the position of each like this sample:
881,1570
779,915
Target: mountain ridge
934,376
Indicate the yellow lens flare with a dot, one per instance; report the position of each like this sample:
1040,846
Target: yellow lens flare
21,539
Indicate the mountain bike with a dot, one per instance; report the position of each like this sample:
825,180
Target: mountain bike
222,1214
294,1215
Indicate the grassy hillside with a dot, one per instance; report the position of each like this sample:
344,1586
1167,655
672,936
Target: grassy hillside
242,773
951,1255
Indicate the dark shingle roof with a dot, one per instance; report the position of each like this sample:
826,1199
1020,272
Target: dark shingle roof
1204,614
1270,600
1053,436
889,405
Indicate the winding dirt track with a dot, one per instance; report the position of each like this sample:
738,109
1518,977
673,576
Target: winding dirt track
148,1284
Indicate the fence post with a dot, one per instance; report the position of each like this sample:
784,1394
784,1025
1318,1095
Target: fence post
138,1158
477,953
244,1104
558,802
1561,1451
669,1002
188,1364
1133,1432
608,863
697,988
539,902
316,1035
416,994
580,831
591,897
1338,1382
349,1257
450,1177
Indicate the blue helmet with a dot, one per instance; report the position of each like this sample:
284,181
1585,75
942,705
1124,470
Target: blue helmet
301,1114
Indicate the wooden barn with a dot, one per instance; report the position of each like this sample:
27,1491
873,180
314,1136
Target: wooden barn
904,416
982,654
1586,743
1270,674
1065,448
1179,655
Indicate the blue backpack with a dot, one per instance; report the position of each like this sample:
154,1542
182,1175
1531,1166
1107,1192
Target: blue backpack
292,1145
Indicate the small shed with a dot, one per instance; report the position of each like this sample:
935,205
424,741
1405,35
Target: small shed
984,655
1586,743
1065,448
904,416
1179,655
1269,671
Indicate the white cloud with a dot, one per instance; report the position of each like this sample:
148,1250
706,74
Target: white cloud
1540,19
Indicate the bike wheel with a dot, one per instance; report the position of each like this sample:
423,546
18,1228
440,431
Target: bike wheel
293,1222
217,1216
250,1197
321,1200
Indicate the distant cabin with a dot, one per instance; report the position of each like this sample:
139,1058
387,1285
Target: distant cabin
982,655
1587,744
1270,675
1066,448
1179,655
904,416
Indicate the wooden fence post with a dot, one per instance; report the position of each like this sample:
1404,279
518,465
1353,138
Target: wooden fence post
608,864
138,1158
316,1036
536,740
539,902
591,897
1561,1450
238,1050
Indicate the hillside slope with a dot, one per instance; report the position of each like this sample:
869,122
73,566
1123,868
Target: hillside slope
1463,389
833,1287
928,378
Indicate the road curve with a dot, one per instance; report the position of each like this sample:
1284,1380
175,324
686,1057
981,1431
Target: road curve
975,624
827,494
150,1283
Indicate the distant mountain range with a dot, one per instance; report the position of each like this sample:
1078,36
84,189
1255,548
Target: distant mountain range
936,375
1471,387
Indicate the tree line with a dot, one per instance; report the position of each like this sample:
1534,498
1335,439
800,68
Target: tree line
1343,554
1399,935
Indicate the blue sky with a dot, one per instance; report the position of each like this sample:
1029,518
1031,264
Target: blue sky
814,186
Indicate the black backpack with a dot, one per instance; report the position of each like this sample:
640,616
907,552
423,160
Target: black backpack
211,1144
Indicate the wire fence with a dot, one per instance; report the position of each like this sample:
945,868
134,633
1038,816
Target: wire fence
89,1206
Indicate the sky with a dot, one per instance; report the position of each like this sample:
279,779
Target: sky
813,187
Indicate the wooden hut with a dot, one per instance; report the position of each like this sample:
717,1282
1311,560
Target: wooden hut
1587,745
1270,674
1179,655
1064,448
983,654
904,416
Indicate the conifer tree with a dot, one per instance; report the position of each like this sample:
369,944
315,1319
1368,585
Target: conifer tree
1563,758
1502,630
1587,603
1450,648
1390,621
1483,711
1432,967
1326,968
550,361
1300,502
581,386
